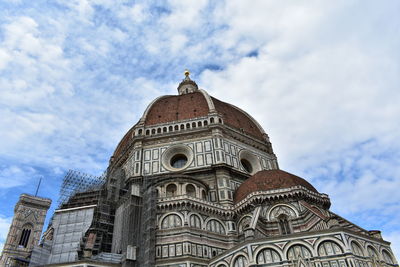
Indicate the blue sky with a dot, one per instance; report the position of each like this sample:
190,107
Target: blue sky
321,77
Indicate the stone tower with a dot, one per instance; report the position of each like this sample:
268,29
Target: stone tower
25,230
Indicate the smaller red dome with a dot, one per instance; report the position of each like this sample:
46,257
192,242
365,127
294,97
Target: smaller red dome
270,180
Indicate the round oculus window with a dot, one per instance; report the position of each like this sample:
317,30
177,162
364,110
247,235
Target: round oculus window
178,161
246,165
177,157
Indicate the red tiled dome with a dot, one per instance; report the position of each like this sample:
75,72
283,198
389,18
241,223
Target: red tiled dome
173,108
177,107
190,106
270,180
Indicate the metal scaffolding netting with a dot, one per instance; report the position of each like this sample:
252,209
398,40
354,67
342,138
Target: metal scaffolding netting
76,182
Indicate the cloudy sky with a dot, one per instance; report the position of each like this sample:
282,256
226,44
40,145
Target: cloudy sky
322,78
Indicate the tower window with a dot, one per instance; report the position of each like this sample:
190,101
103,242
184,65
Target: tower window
284,225
246,165
178,161
23,241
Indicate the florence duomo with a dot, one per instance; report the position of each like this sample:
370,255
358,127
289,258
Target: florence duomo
194,183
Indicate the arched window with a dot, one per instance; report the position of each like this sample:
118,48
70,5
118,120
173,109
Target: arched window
158,130
211,120
182,127
171,190
387,257
140,132
268,255
164,129
240,261
219,120
25,234
372,252
191,190
199,124
284,226
195,221
147,132
328,248
171,221
170,128
215,226
205,123
176,127
297,251
187,126
356,249
193,125
153,131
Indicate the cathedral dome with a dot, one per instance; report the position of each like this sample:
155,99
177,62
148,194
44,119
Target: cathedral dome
193,103
270,180
172,108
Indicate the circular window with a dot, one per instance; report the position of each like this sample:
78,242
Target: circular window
249,162
246,165
177,158
178,161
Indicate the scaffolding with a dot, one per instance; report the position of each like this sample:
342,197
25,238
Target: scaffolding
77,182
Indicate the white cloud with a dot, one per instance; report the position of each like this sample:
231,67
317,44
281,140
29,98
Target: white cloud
5,223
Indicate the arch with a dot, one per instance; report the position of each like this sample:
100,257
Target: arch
159,130
372,252
176,127
211,120
199,124
195,221
187,125
285,208
332,239
387,257
171,220
171,190
193,125
356,248
190,190
219,120
147,132
153,131
205,123
294,250
267,255
164,129
140,132
240,260
221,264
215,225
242,223
328,248
170,128
268,246
182,126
